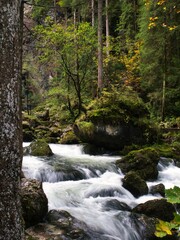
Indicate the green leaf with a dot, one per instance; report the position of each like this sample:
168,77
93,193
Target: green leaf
173,195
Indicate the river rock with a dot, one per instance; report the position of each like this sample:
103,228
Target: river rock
114,204
135,184
158,208
59,225
143,162
158,189
34,201
38,148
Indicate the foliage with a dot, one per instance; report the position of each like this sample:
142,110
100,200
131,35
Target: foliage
173,195
167,228
71,50
159,65
118,105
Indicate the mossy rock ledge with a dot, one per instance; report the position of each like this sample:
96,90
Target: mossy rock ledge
110,136
38,148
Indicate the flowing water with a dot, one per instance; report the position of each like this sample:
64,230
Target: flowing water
90,189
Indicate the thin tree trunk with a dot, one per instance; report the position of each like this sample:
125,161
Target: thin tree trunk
11,227
100,47
107,28
93,14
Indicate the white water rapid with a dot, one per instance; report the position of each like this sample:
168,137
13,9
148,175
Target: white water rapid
88,187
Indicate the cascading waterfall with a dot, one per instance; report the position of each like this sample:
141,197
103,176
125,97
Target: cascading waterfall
89,187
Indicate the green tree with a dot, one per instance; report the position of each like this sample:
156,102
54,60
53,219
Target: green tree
73,50
160,54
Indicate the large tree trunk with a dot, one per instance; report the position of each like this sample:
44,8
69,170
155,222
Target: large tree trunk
11,227
100,47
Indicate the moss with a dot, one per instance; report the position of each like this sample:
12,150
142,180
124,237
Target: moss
87,128
69,138
143,162
118,105
40,148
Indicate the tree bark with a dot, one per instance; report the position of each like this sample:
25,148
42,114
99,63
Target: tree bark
100,47
93,14
11,224
107,28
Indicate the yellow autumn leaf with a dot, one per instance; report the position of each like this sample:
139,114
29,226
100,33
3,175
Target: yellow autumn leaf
164,227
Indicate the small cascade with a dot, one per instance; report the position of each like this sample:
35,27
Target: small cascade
90,189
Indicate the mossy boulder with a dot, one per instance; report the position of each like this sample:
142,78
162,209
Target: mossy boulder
69,137
116,119
39,148
158,208
34,201
143,162
134,184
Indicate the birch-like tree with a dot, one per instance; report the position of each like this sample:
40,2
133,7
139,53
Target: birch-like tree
11,227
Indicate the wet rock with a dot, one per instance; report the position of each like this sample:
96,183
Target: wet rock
34,201
143,162
135,184
158,189
39,148
158,208
114,204
59,225
148,226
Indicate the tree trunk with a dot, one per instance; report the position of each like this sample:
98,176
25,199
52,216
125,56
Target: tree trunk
100,47
107,28
93,14
11,227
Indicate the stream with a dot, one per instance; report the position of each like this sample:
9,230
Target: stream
89,186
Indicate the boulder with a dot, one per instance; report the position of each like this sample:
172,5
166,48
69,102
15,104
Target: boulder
158,208
158,189
109,136
114,204
134,184
59,225
38,148
34,201
144,162
148,226
69,137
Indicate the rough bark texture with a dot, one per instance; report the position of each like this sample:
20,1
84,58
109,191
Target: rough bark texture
10,120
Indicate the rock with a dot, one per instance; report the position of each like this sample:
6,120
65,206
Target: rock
114,204
158,208
28,132
134,184
44,116
39,148
112,137
148,224
28,136
69,138
158,189
59,225
143,162
34,201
